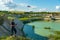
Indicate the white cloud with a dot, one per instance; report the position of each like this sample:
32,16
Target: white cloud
6,1
2,4
11,5
57,7
33,7
23,4
43,9
26,5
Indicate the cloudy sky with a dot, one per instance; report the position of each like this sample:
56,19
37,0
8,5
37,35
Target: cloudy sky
30,5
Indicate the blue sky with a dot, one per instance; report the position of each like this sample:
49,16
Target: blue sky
35,5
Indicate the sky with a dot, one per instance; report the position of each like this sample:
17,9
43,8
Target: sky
30,5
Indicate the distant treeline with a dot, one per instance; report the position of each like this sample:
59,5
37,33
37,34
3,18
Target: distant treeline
31,12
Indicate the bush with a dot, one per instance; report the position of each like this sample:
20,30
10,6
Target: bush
55,36
1,20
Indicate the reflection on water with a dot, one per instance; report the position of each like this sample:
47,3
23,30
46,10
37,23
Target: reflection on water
39,32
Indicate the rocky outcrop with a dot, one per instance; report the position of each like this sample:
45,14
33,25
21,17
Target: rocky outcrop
5,28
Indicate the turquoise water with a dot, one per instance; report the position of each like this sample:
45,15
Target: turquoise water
39,28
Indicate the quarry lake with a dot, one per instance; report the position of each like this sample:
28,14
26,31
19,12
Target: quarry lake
41,30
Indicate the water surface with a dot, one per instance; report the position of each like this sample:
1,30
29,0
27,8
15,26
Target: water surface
39,29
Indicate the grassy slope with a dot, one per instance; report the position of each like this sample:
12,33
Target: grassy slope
14,38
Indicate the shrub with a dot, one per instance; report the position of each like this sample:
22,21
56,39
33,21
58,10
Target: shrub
1,20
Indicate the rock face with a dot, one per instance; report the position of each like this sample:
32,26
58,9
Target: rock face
19,26
5,29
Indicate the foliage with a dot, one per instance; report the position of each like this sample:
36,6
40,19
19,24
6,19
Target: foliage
55,36
1,20
14,38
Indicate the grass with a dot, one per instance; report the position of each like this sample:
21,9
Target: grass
23,19
14,38
55,36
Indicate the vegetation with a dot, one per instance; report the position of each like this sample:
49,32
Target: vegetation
55,36
14,38
1,20
26,16
23,19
